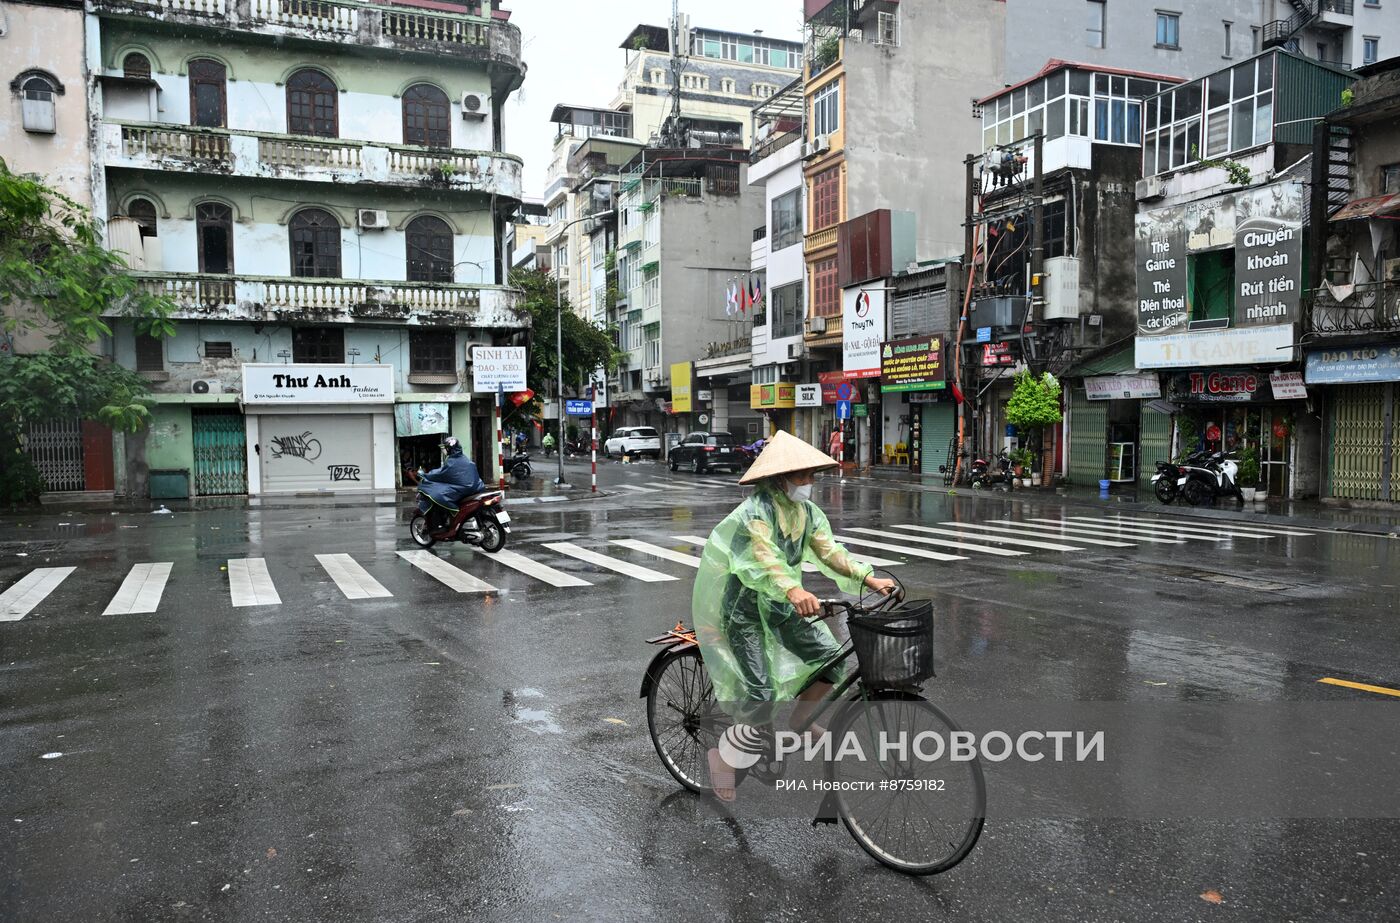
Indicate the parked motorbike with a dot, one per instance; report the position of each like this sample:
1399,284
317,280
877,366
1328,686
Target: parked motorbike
481,521
519,466
982,475
1201,483
1168,473
577,447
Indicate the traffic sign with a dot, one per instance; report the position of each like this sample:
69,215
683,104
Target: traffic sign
843,392
578,408
843,410
984,334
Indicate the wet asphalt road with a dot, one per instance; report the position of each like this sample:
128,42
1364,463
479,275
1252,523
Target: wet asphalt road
434,755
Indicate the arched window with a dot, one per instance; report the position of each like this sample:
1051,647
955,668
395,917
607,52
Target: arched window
315,237
143,212
213,222
208,99
429,250
39,89
136,66
311,104
426,116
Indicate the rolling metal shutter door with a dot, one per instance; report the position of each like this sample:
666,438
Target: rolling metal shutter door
939,427
1088,436
310,452
1358,442
1154,443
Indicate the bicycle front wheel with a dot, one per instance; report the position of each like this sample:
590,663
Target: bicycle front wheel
684,719
916,815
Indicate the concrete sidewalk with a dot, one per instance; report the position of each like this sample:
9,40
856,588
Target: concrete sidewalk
1303,513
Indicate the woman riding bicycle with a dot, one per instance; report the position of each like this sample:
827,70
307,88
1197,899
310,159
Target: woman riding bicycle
752,617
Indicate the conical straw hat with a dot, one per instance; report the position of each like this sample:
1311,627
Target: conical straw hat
784,454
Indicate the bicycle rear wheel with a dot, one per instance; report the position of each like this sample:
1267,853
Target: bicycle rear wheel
917,816
684,719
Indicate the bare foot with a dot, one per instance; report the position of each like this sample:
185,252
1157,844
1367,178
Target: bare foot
722,777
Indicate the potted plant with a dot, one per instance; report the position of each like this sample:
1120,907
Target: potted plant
1249,473
1022,461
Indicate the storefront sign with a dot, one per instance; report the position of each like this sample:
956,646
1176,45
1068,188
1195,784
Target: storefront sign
861,410
704,395
680,387
862,330
318,384
1357,365
778,396
994,354
809,395
927,397
912,365
1236,346
1122,387
1287,386
1219,386
497,367
423,419
1268,254
1160,251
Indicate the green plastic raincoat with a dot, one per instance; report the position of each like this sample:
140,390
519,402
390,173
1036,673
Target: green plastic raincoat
757,649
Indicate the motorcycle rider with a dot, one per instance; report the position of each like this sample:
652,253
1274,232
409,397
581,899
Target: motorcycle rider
449,485
548,443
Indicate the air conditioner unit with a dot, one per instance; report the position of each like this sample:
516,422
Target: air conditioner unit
816,325
206,386
794,350
1150,187
474,106
372,218
818,145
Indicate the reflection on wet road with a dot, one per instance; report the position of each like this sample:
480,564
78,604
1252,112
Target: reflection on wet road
291,712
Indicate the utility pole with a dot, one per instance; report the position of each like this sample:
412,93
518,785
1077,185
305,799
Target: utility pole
1037,237
559,346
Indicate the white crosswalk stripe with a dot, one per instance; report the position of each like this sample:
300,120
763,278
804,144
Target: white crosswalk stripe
1077,528
672,485
636,488
30,590
1024,528
657,551
716,485
912,552
808,568
1232,524
997,539
535,569
947,543
141,590
635,571
1206,527
453,578
1125,528
249,583
354,581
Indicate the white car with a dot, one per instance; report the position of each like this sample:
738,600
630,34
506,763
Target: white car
633,440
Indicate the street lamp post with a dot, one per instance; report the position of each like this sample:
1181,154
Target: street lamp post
559,346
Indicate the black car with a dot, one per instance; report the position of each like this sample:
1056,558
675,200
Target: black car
707,452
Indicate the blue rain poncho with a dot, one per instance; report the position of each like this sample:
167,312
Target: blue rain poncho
757,648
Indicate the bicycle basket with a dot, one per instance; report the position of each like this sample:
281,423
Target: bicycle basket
894,647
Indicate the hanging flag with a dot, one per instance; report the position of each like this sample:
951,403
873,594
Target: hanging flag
757,292
747,299
729,300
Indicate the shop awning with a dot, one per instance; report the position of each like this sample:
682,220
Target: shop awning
1117,362
1381,206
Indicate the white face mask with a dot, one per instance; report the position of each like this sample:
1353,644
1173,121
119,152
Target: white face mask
798,493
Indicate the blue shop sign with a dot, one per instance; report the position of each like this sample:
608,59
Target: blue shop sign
1352,365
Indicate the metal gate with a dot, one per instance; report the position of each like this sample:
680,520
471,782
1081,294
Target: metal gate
1358,442
1088,438
220,452
1154,443
940,426
56,449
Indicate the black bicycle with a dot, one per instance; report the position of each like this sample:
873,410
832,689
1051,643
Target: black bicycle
912,814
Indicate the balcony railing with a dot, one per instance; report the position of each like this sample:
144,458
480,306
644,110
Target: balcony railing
819,239
1371,306
257,154
490,40
234,297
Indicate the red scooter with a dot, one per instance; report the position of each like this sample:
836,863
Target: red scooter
481,521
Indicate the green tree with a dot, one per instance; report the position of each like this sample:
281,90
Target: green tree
1034,404
586,347
58,282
